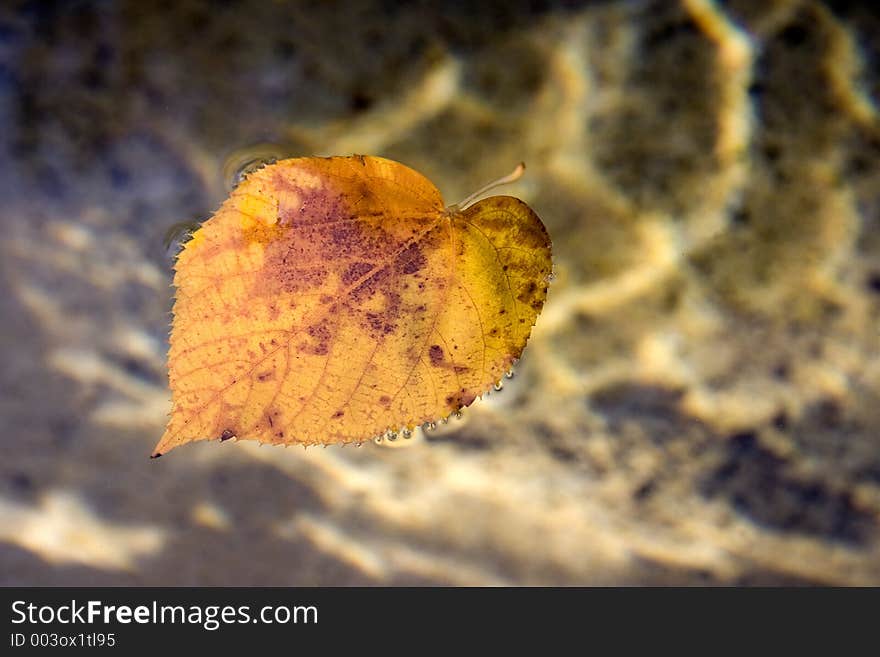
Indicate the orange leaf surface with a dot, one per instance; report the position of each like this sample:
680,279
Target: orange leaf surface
331,299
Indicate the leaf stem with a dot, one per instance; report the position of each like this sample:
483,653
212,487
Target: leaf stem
513,176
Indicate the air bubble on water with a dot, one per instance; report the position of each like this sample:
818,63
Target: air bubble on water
498,387
429,426
552,275
406,433
378,440
391,435
458,414
444,420
508,374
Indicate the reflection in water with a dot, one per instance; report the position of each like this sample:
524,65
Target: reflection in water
246,160
176,236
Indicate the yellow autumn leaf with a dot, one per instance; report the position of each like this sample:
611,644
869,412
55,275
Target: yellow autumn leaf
331,299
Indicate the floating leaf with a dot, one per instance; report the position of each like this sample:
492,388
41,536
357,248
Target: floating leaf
330,300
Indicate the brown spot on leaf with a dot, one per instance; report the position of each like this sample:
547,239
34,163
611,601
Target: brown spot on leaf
411,260
435,353
355,272
384,322
529,290
321,333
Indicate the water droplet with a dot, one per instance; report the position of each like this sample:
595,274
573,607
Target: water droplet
498,387
246,160
406,433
